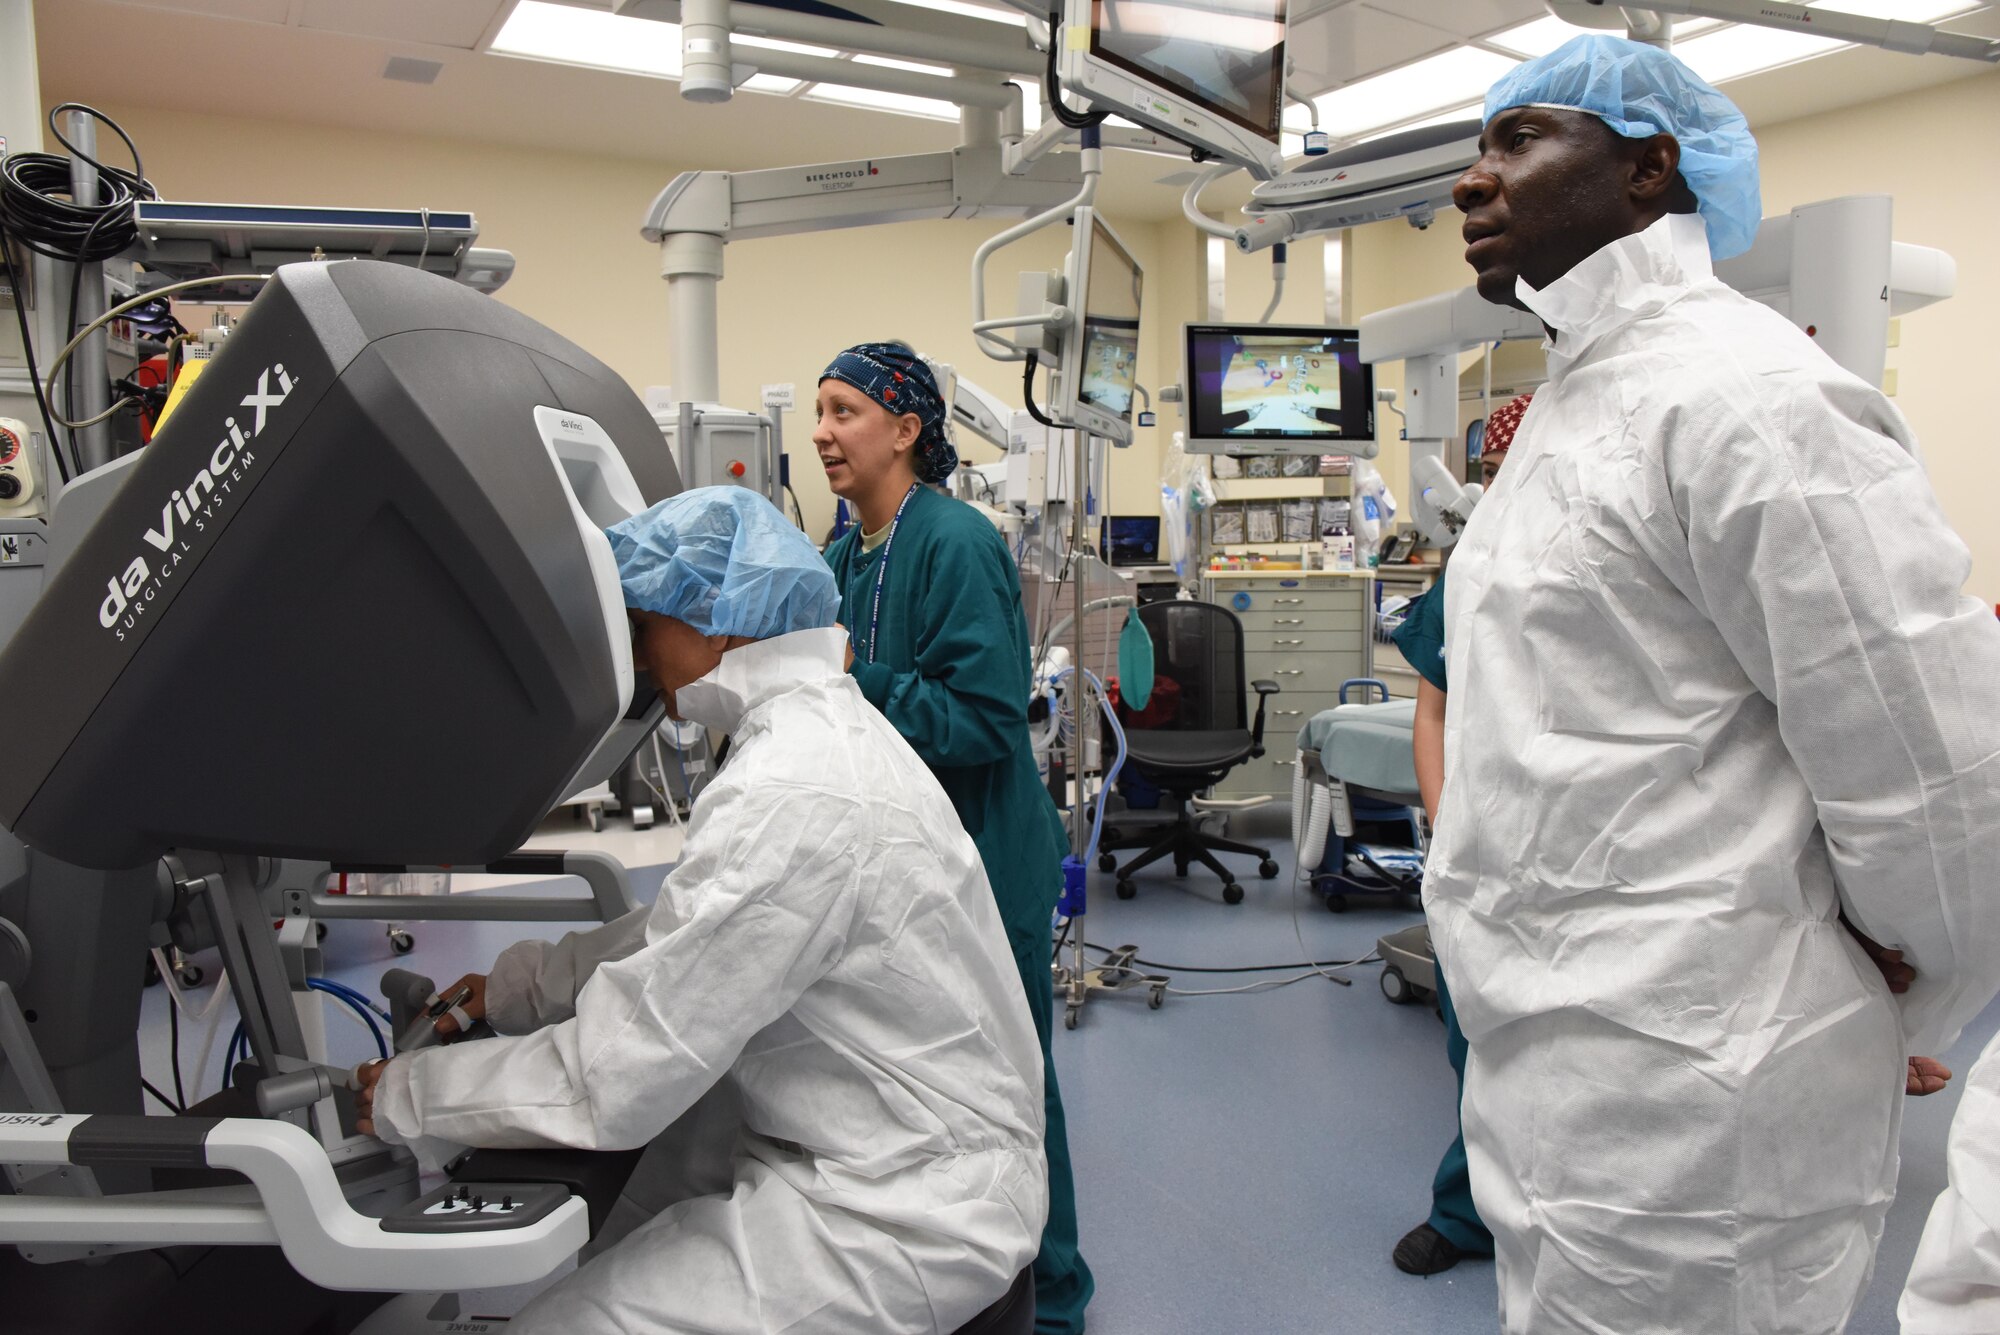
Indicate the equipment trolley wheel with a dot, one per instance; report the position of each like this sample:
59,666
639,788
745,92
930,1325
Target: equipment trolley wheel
1336,903
402,942
1070,1016
1157,997
1396,987
1232,893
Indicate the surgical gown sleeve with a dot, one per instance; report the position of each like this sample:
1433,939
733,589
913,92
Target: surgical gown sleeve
535,982
966,702
758,909
1821,554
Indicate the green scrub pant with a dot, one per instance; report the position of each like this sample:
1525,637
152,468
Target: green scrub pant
1063,1283
1452,1211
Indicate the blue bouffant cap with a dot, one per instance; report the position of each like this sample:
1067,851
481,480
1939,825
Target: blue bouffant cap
1641,91
725,561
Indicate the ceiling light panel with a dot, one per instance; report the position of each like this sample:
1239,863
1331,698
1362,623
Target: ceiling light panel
571,36
892,63
1012,18
1447,80
902,104
566,35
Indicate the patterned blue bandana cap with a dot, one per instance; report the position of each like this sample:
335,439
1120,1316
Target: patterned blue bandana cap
897,378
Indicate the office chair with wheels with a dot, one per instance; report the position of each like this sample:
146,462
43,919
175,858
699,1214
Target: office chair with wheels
1193,731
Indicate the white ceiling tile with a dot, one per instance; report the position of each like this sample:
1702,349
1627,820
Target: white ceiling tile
1339,46
1462,18
250,11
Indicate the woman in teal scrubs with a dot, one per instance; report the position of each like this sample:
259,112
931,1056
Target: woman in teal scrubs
932,603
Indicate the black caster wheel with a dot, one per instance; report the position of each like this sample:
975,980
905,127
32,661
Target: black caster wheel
1156,998
1336,903
1070,1018
319,931
1232,893
1105,862
596,819
1396,987
189,975
402,942
1125,889
1267,869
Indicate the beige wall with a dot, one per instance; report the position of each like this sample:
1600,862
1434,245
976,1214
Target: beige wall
1933,151
571,219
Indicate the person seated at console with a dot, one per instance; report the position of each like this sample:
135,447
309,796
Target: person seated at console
824,974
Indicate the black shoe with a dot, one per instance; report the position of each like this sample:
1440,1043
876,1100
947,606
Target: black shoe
1425,1251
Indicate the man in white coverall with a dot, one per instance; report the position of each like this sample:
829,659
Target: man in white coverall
1722,698
825,961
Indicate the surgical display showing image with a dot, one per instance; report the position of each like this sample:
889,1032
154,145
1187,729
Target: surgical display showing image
1276,389
1110,367
1281,383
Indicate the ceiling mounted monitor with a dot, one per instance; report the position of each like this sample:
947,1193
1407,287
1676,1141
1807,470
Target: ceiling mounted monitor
1207,73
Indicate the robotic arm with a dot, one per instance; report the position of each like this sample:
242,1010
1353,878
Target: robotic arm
1443,504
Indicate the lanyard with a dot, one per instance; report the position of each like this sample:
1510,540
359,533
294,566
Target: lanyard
882,571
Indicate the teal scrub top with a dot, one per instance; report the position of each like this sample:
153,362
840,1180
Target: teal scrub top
1421,636
951,673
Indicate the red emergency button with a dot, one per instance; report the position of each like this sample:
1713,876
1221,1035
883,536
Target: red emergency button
736,468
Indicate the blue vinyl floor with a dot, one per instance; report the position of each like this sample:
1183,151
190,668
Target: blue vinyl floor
1245,1162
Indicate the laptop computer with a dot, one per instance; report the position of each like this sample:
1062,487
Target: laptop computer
1132,540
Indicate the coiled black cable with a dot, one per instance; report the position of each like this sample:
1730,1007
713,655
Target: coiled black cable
36,208
37,211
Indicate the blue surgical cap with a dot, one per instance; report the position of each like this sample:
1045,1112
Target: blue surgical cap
1641,91
724,560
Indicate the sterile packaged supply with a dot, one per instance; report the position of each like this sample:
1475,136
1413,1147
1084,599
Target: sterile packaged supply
1299,465
1261,522
390,883
1261,466
1374,509
1228,466
1301,521
1228,524
1334,514
1335,465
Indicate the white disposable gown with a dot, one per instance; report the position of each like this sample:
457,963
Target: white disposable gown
1954,1284
826,962
1714,682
